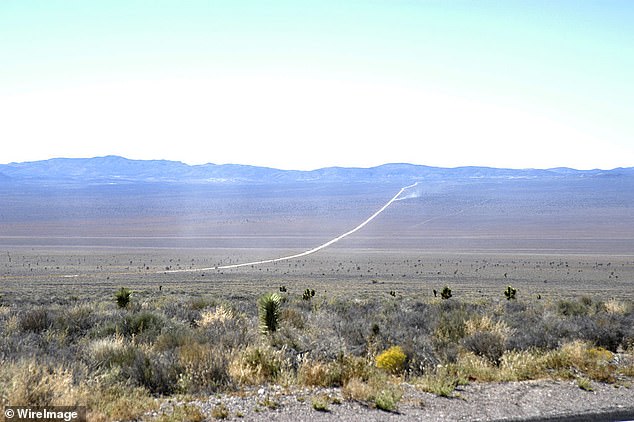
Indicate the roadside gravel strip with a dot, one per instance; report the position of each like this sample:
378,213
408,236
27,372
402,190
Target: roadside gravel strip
513,401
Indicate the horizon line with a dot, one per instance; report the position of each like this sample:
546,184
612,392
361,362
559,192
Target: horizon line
315,169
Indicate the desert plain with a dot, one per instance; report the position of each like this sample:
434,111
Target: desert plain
188,346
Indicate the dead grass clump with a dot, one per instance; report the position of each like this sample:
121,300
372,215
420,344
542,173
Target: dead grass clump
118,402
319,374
174,338
76,321
294,318
40,385
486,344
522,365
257,365
580,357
484,323
614,306
440,381
376,392
110,352
220,314
35,320
471,367
204,369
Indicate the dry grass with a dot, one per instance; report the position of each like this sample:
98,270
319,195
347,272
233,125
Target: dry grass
41,385
258,365
180,340
220,314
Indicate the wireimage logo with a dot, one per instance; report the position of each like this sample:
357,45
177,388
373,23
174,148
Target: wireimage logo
50,413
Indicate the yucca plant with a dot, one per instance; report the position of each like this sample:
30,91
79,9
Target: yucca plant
308,294
269,312
445,293
122,296
510,292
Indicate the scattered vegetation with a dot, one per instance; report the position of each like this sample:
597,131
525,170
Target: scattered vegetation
116,357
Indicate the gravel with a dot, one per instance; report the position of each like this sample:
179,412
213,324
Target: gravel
511,401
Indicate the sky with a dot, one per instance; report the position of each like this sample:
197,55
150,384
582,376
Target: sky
311,84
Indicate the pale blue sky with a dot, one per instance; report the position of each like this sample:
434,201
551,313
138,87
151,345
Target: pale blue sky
302,85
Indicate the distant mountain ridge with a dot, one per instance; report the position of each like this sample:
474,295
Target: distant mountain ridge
115,169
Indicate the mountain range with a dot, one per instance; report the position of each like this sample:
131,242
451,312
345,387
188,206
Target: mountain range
119,170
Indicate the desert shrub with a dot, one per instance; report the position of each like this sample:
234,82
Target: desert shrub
388,397
219,411
145,323
125,361
293,317
375,392
533,330
122,297
220,314
341,319
118,402
604,330
35,320
440,382
200,302
522,365
174,338
410,326
489,345
158,373
392,360
469,367
319,374
39,384
485,323
614,306
76,321
232,334
106,353
451,320
320,403
579,356
358,390
180,311
256,365
203,369
568,308
269,307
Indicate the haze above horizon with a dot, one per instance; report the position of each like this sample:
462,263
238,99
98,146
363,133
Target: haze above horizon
306,85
